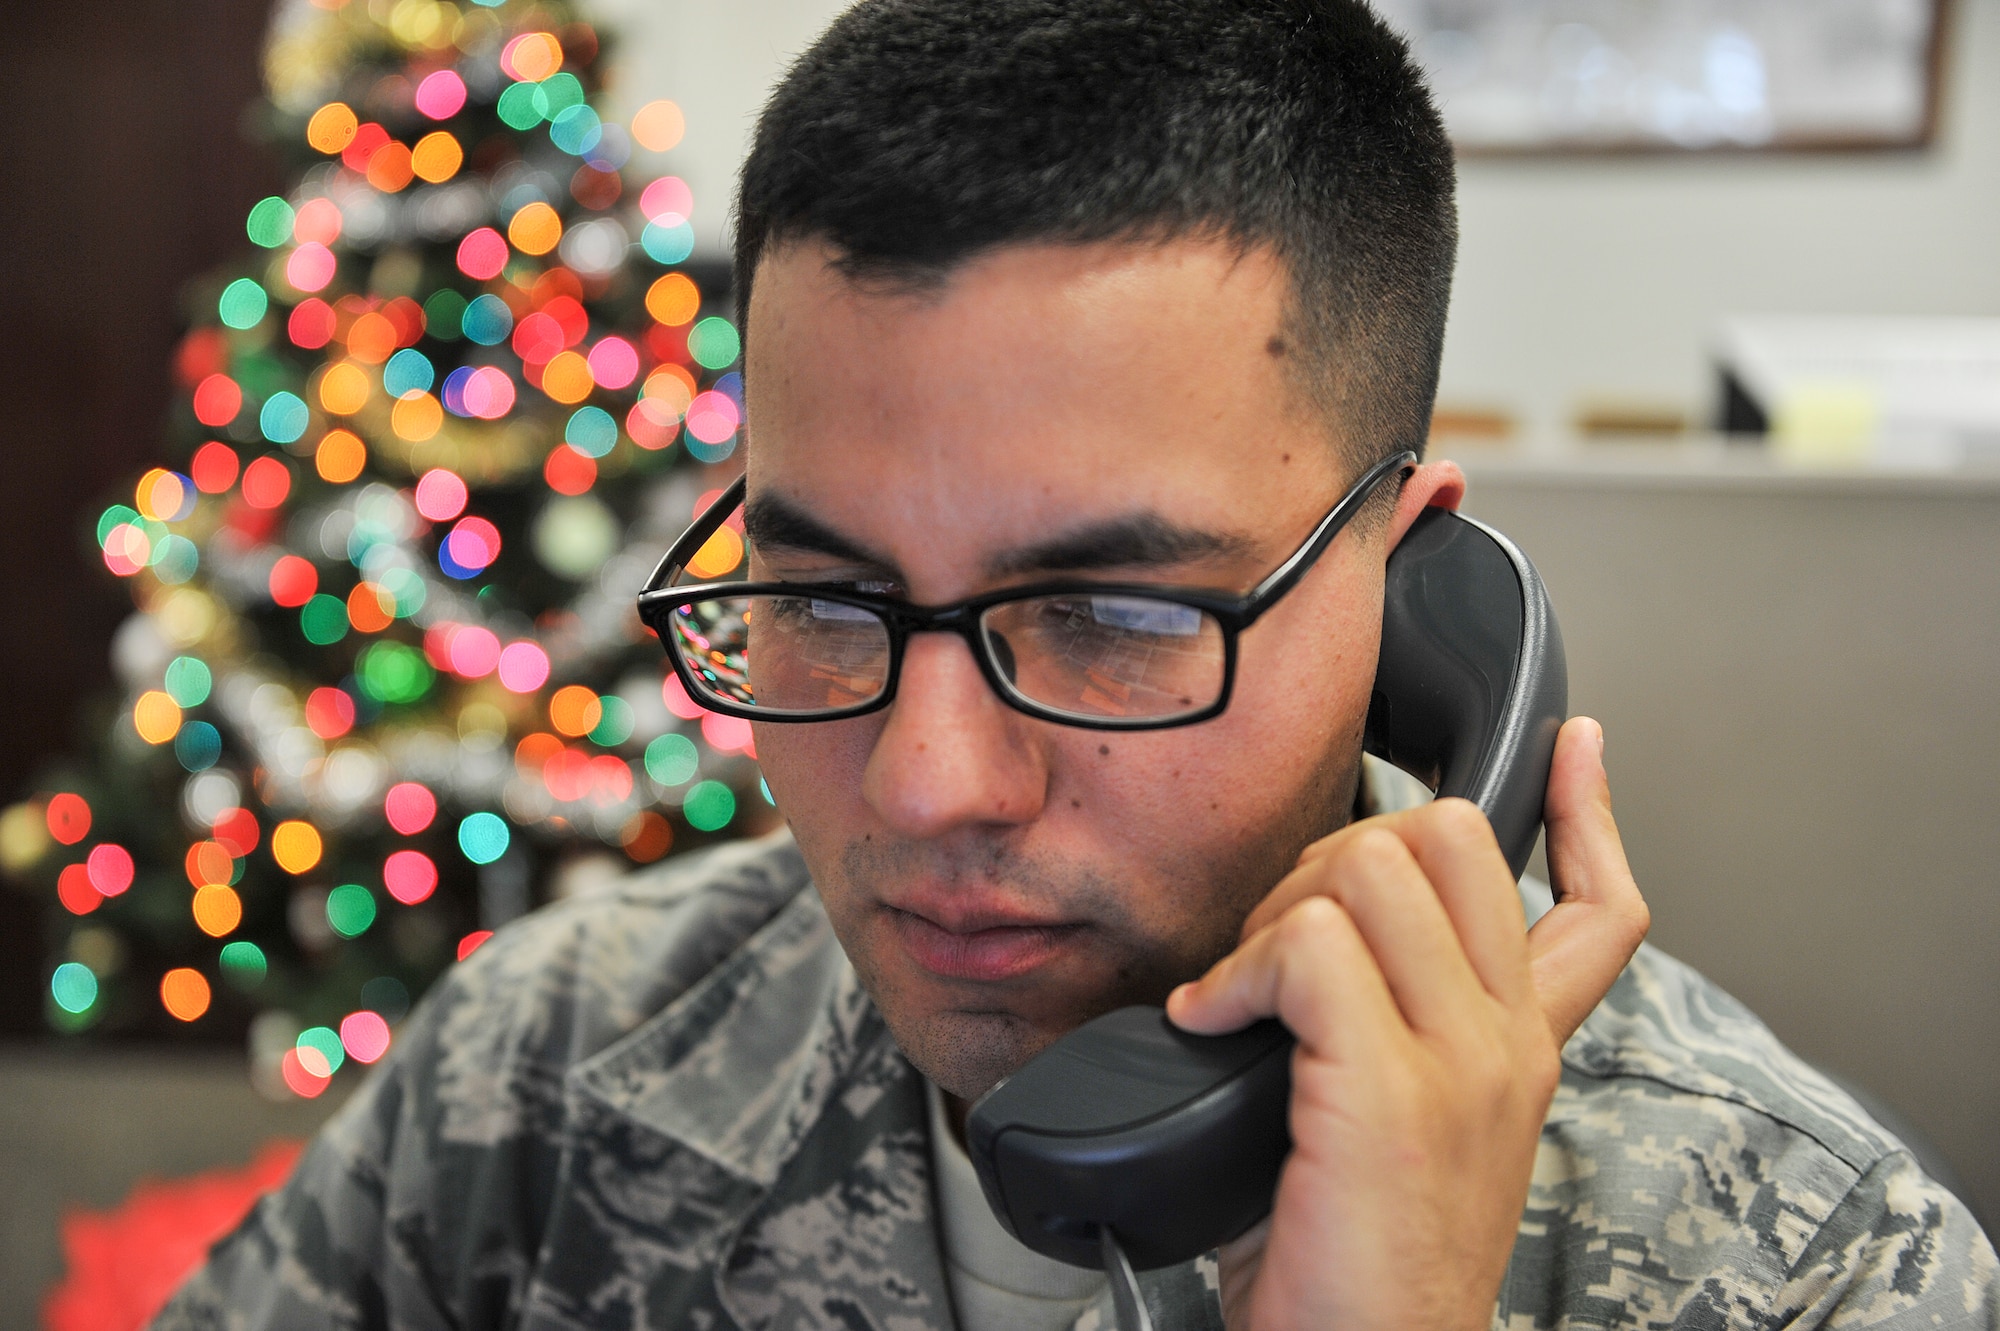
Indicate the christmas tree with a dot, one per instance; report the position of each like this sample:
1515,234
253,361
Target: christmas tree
384,686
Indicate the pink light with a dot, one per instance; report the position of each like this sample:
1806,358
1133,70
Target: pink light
110,868
409,807
610,779
410,876
470,943
489,393
473,543
441,494
614,363
364,1035
318,221
668,194
567,775
437,643
731,734
481,255
474,652
303,1082
311,266
712,417
538,338
524,667
675,695
440,96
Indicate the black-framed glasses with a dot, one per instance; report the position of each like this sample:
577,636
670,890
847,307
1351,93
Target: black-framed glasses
1103,655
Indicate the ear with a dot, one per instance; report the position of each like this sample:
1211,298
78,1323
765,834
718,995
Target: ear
1431,485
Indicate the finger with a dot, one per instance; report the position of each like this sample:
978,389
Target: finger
1312,970
1578,949
1453,844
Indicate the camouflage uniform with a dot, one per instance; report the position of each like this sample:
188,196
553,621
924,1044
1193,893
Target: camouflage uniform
672,1105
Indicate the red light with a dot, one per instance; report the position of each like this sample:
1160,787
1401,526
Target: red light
409,807
569,472
312,323
68,818
217,399
76,892
329,711
293,581
470,943
266,482
304,1083
213,467
236,830
363,146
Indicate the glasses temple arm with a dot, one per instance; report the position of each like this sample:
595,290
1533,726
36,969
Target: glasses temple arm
705,525
1287,574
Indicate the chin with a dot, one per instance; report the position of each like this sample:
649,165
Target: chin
967,1053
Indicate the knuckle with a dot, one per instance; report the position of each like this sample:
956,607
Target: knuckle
1374,851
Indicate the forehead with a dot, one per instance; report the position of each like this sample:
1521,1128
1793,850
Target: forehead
1031,387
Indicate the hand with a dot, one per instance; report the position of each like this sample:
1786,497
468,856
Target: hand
1429,1025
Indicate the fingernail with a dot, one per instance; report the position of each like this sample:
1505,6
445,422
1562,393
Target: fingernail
1600,743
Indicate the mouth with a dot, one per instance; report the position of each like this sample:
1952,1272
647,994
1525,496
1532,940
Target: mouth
979,943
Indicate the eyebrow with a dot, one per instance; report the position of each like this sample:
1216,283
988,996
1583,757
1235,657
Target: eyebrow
1143,539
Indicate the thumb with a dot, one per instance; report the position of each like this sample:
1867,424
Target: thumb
1577,950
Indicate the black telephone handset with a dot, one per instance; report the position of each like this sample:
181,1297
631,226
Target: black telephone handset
1131,1144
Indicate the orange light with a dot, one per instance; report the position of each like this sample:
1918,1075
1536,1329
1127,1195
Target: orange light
567,379
532,57
416,416
295,845
365,609
341,455
156,716
331,128
535,229
535,750
372,338
209,863
344,388
721,553
184,993
437,157
575,710
673,300
217,909
658,126
389,167
646,837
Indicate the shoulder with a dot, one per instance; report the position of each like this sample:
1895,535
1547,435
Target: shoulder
1694,1171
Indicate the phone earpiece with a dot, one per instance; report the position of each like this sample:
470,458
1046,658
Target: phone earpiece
1173,1142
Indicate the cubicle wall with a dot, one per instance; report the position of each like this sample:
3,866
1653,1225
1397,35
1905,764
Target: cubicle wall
1799,679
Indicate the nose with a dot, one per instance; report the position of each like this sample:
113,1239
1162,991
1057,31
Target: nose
951,754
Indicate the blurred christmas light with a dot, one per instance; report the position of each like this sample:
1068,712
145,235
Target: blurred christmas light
410,876
296,846
184,993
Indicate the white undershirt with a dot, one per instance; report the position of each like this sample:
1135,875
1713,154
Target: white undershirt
997,1282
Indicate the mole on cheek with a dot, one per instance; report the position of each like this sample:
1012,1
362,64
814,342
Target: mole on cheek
1076,804
1104,750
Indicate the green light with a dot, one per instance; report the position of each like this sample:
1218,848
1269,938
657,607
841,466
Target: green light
709,806
576,130
406,587
270,222
556,94
174,560
391,672
115,516
74,987
409,370
441,314
243,304
324,1039
614,726
672,759
198,746
284,417
483,837
188,680
591,431
243,964
517,107
714,343
350,909
323,620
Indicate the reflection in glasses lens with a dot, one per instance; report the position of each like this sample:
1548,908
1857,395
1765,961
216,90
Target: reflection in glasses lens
1113,657
810,655
1089,656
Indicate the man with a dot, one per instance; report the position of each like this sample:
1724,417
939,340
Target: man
1121,293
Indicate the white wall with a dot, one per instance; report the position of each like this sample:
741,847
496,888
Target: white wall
1579,278
1586,277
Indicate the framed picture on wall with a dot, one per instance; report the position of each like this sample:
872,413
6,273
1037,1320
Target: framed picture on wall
1531,76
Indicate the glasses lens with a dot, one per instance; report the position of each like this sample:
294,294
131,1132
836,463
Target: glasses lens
1109,657
783,654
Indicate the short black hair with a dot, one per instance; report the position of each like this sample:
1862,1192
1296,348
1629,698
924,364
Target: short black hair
917,134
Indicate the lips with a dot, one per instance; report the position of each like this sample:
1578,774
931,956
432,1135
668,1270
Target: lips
978,943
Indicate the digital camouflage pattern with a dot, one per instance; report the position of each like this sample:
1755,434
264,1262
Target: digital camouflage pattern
672,1105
